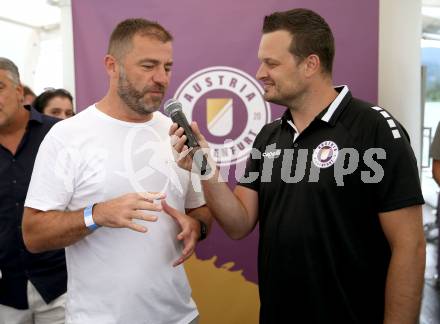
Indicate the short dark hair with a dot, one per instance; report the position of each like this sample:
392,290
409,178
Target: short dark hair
43,99
310,32
122,36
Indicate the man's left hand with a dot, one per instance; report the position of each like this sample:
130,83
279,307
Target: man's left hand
190,231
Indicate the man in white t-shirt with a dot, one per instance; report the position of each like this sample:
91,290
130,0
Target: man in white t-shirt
102,177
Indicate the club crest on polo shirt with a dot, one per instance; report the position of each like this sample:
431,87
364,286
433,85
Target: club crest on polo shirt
325,154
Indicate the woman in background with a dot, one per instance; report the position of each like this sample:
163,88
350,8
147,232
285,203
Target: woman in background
55,102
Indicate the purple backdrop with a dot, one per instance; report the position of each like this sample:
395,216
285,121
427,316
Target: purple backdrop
224,33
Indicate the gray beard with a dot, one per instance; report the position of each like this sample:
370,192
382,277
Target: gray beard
133,98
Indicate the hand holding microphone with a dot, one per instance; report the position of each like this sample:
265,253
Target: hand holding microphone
187,140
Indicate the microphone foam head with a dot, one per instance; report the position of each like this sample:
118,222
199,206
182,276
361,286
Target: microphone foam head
172,105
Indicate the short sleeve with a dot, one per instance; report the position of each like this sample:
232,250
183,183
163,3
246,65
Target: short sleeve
400,185
53,177
435,146
194,195
252,175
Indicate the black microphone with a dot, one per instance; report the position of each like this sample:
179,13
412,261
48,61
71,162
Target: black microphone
173,108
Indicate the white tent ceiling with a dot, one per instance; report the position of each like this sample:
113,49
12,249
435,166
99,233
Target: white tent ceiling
32,13
40,13
31,28
31,36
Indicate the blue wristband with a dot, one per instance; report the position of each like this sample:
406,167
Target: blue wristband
88,218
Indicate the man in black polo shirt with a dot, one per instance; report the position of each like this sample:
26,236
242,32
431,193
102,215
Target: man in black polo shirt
32,286
334,186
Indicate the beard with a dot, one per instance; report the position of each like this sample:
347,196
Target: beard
134,99
291,98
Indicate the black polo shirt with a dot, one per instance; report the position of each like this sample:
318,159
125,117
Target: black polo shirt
323,257
47,271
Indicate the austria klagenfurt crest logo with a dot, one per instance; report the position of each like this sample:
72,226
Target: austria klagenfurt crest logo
325,154
229,107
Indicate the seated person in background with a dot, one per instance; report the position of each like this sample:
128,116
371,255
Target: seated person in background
55,102
29,95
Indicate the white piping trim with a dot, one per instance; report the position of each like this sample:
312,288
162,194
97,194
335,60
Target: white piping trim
331,110
391,123
385,114
295,136
396,133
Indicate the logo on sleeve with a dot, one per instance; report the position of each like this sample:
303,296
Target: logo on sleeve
325,154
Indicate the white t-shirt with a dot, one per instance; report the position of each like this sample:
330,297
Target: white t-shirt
118,275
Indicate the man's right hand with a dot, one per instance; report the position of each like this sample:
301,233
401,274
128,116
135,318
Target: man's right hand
184,155
121,211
